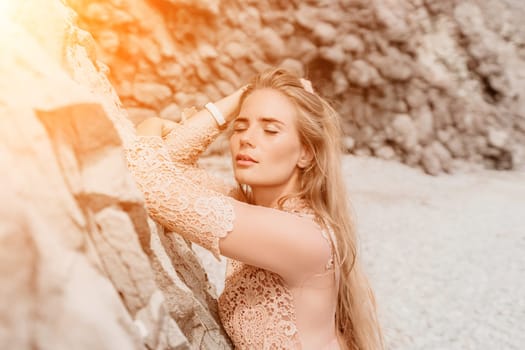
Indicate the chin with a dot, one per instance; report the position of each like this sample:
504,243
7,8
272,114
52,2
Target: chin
241,178
245,179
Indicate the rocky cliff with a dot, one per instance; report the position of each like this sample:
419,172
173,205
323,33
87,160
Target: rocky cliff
428,83
82,266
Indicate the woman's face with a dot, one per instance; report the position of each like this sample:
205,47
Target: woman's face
265,145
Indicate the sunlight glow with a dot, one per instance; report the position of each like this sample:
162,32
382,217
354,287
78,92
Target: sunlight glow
6,8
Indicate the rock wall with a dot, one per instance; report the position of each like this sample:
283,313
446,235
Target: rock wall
82,266
428,83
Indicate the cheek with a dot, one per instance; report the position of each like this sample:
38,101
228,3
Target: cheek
282,153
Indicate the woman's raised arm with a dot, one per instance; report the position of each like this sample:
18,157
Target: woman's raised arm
186,141
281,242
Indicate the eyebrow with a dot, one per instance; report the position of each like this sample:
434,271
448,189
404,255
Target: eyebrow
263,119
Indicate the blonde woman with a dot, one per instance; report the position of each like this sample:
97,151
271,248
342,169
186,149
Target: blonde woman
294,279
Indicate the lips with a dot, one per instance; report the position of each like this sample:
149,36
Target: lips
245,159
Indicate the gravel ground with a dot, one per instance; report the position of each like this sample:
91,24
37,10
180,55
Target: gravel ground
445,255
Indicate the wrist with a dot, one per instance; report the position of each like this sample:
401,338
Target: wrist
216,113
229,105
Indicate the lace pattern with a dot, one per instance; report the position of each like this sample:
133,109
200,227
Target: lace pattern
174,200
256,308
187,142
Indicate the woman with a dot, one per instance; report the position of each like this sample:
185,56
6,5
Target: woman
293,280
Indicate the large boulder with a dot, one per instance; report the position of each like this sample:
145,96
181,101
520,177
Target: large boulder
80,267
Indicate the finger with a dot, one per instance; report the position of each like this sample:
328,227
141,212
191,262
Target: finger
168,126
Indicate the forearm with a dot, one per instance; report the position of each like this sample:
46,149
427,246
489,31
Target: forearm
227,106
188,140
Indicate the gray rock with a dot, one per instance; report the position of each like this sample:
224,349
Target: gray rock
349,143
204,72
236,50
340,82
250,19
414,158
405,131
171,112
353,44
306,16
430,161
151,94
293,65
334,54
444,156
109,41
385,152
363,152
416,97
183,99
456,147
444,135
497,138
227,74
260,66
362,74
286,29
394,66
206,51
424,122
271,44
325,33
225,87
302,49
150,49
212,92
169,69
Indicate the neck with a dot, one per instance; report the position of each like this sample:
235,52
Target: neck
268,196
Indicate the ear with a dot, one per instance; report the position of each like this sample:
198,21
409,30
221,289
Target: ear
305,158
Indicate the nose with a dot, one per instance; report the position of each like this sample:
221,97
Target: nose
247,138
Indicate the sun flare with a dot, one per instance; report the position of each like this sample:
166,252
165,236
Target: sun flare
6,8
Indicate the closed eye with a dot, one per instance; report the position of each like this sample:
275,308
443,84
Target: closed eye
239,126
273,132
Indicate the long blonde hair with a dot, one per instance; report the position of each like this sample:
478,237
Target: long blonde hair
323,188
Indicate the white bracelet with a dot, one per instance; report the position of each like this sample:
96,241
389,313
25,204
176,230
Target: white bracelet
215,113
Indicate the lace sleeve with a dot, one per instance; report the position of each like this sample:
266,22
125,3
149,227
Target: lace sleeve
187,141
281,242
171,198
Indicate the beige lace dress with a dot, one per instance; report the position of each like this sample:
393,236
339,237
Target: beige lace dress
259,308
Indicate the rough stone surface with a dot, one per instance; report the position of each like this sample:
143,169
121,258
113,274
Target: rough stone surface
448,64
79,270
